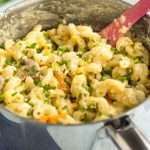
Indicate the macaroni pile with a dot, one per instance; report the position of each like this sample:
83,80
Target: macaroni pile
70,75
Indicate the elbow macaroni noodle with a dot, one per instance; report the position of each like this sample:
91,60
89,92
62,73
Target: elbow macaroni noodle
70,75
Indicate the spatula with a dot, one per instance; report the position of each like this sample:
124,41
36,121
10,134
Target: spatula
122,24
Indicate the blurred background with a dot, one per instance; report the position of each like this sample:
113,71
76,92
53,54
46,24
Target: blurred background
5,1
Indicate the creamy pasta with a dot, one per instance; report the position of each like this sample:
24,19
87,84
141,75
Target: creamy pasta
70,75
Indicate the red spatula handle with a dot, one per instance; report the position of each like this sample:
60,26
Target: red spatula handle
136,12
122,24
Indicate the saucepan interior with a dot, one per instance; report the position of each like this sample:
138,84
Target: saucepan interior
21,18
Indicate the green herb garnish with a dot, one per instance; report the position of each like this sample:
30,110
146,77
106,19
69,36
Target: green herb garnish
46,90
82,50
25,52
131,82
124,78
14,93
80,53
20,62
48,87
63,49
46,93
114,50
33,45
2,45
26,92
39,50
46,34
65,108
104,77
2,97
86,118
138,60
107,71
33,70
37,82
10,61
65,62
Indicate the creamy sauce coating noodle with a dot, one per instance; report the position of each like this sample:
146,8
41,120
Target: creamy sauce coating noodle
71,75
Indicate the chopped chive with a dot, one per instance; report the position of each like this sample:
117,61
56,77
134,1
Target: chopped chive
82,50
65,62
10,61
46,93
46,34
33,70
86,118
2,97
38,82
63,49
26,92
114,50
46,90
48,87
131,82
2,46
65,108
104,77
138,60
124,78
107,71
14,93
33,45
39,50
79,53
25,52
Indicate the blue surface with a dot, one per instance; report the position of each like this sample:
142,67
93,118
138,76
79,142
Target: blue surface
24,136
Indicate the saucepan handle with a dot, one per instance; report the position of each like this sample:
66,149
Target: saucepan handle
126,135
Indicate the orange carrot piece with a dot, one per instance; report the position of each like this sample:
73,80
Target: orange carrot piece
62,84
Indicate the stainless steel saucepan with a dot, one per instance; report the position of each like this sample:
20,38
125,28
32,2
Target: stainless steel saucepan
17,133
